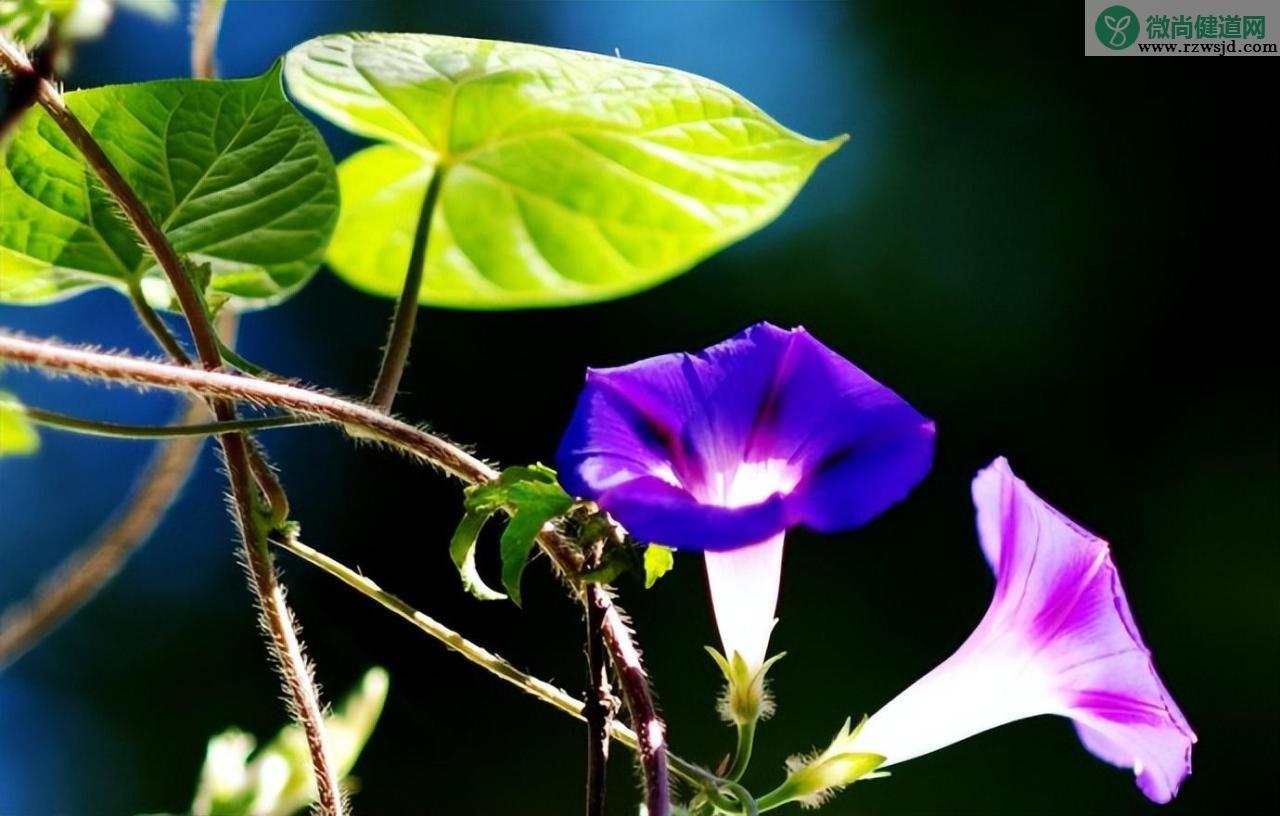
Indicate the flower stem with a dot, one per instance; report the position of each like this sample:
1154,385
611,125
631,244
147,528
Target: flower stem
396,354
119,430
742,756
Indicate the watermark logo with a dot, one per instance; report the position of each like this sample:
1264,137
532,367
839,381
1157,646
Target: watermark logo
1142,28
1117,27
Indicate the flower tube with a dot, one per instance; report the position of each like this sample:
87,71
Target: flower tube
724,450
1058,638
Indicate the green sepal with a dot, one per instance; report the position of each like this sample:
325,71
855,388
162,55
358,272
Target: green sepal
746,698
813,779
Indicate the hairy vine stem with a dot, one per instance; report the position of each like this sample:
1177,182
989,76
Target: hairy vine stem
626,659
497,665
206,21
599,708
367,422
238,451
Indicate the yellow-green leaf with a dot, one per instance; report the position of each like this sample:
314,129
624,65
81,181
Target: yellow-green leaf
17,434
658,561
571,177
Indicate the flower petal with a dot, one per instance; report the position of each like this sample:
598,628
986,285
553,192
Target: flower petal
768,412
1058,587
653,510
1058,638
744,593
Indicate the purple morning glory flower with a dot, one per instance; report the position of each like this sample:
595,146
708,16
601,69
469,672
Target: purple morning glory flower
726,449
1058,638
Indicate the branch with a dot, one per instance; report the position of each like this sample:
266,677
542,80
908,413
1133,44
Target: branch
83,574
120,430
361,420
86,571
396,354
495,664
600,705
205,24
238,451
277,621
633,681
368,422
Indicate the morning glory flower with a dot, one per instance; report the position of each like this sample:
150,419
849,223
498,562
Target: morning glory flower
724,450
1057,639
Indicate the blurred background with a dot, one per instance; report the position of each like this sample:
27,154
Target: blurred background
1059,259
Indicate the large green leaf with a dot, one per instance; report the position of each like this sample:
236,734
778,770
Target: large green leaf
235,175
571,177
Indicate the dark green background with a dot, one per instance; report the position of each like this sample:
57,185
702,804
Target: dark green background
1062,260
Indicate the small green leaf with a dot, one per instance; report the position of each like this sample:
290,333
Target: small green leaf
535,503
658,561
462,548
18,435
235,176
572,177
532,497
278,780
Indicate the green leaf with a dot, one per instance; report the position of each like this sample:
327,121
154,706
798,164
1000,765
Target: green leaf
17,433
572,177
462,549
532,497
236,177
26,22
535,504
279,779
658,561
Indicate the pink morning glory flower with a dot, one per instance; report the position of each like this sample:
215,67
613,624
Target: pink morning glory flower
724,450
1058,638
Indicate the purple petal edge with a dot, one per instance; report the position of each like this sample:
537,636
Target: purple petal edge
1058,586
657,442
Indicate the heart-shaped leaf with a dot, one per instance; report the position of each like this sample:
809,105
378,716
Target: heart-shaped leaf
236,177
571,177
